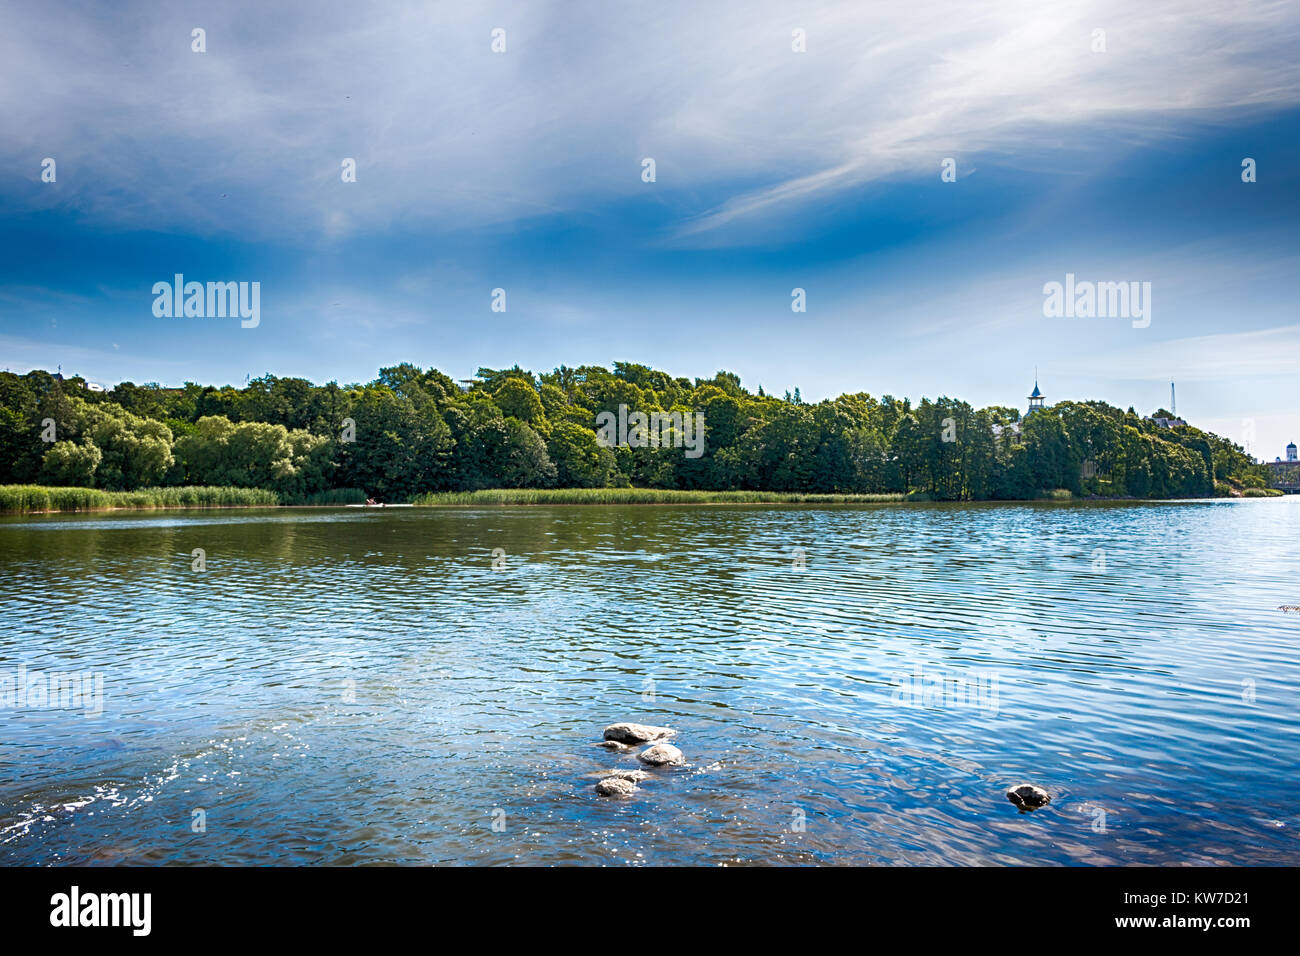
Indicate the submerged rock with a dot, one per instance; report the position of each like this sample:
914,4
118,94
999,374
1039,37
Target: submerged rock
637,733
661,755
636,776
614,745
1027,796
616,787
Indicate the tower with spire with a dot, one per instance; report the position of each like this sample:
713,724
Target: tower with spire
1036,398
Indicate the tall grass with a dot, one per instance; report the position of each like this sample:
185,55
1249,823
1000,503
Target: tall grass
335,496
634,496
31,498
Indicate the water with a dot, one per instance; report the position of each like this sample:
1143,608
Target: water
361,686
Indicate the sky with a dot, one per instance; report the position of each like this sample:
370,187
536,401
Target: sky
1099,139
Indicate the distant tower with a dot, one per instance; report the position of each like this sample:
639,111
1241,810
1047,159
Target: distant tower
1290,452
1173,402
1035,399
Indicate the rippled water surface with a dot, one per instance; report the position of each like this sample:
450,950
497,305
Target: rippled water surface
356,686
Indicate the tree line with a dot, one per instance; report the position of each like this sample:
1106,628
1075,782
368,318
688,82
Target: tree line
413,430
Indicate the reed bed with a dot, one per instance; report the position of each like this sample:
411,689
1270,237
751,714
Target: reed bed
27,499
634,496
335,496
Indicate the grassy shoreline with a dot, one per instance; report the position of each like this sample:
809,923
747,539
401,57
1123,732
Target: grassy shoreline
42,499
39,499
638,496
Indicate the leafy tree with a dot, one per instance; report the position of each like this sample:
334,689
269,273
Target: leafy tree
579,460
523,460
400,450
254,455
517,398
70,464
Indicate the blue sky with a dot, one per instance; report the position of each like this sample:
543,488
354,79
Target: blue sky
775,169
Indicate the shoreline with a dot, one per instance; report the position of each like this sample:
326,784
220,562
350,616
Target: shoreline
517,498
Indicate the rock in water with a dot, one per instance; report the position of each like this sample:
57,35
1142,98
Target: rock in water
636,776
614,745
661,755
616,787
1028,797
637,733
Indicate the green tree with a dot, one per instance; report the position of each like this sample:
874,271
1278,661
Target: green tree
254,455
399,451
69,464
518,399
579,460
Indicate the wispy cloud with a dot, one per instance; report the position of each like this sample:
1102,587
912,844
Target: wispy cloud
248,137
1228,356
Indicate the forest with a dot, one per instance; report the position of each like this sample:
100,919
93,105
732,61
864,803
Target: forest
413,431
